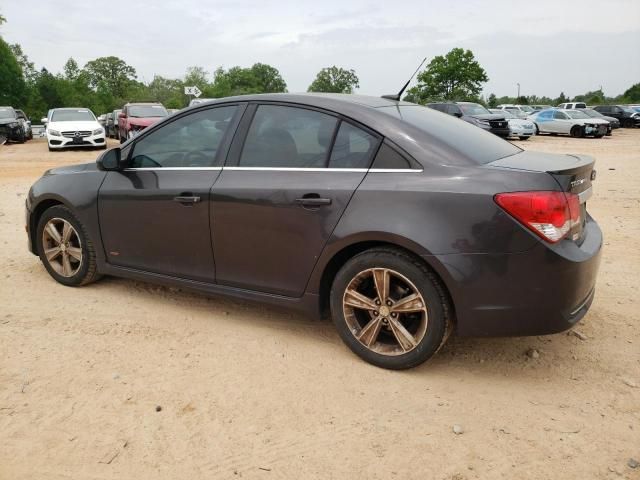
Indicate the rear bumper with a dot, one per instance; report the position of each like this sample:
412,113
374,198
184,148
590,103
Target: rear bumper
547,289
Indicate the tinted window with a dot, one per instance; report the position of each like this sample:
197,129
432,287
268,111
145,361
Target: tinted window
559,115
471,141
389,158
454,110
438,106
190,141
353,148
288,137
546,115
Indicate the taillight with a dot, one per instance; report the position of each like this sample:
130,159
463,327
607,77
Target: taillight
550,215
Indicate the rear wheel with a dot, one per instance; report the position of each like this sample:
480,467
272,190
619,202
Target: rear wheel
523,138
389,308
628,123
64,247
576,131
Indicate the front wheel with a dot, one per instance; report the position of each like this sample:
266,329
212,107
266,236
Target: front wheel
628,123
389,308
577,131
64,247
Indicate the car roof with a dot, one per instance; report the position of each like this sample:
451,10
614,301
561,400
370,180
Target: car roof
144,103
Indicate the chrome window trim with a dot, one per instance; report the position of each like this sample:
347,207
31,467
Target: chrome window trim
277,169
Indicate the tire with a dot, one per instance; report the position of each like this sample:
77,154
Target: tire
628,123
428,323
537,129
577,132
22,138
523,138
80,271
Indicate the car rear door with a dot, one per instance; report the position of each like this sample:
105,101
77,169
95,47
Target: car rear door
154,215
290,174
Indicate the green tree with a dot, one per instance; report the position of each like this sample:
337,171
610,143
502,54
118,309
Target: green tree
260,78
455,76
196,77
492,101
71,69
12,91
167,91
29,71
112,73
335,80
632,94
267,79
561,99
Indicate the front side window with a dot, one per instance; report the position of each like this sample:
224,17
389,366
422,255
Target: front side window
288,137
353,148
559,115
191,141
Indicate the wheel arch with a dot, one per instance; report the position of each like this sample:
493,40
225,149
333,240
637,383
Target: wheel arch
323,280
37,212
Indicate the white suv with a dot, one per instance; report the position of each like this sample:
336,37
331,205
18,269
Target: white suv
520,111
74,127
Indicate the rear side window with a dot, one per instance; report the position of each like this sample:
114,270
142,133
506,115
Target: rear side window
353,148
288,137
389,159
472,142
559,115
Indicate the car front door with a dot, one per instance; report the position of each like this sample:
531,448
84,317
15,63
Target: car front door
560,123
290,174
154,215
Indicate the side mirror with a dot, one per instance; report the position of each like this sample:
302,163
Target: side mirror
457,114
122,115
109,160
44,120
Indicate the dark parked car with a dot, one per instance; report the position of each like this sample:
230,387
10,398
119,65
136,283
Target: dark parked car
26,124
12,128
613,122
475,114
627,117
403,223
135,117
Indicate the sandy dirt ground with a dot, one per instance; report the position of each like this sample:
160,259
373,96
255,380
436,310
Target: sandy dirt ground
251,392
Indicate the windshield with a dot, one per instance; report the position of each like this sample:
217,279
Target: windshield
472,142
7,113
144,111
473,109
576,114
628,109
504,113
526,108
592,113
80,115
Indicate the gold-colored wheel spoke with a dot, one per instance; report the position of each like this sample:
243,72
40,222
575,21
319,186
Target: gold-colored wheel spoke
75,252
410,303
404,338
67,230
53,232
66,265
52,253
357,300
369,334
381,278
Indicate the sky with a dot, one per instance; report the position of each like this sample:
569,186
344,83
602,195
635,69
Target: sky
547,46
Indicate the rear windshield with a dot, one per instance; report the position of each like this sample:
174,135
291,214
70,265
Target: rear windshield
80,115
471,141
144,111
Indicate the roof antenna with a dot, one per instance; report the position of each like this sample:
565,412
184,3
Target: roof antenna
399,94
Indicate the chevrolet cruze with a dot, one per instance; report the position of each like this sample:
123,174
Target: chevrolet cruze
402,223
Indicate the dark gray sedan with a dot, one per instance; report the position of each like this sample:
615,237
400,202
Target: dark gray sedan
403,223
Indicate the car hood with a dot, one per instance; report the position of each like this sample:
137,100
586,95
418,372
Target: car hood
593,121
74,126
68,169
521,122
144,121
487,116
6,121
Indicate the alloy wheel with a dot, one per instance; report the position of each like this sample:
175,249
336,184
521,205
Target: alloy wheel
62,247
385,311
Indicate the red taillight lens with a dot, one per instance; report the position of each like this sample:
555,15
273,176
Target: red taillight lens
550,215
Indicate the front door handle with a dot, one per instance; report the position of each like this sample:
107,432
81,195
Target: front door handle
186,199
313,201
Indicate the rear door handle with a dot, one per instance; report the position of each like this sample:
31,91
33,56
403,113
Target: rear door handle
186,199
313,201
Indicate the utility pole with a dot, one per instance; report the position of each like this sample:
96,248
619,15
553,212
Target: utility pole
518,91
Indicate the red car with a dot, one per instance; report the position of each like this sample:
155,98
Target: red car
135,117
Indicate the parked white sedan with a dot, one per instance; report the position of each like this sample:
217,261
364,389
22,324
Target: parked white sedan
74,127
569,122
521,128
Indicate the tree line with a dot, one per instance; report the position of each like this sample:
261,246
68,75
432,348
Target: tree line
106,83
